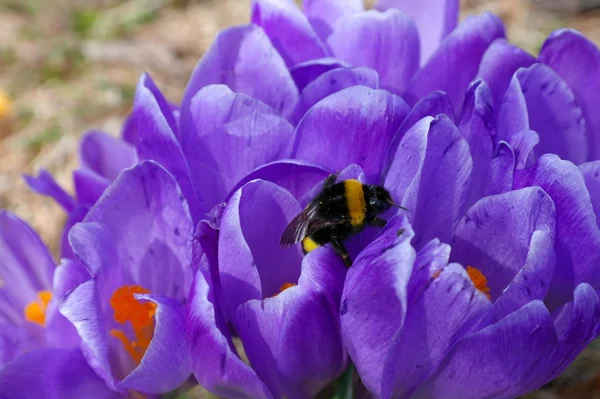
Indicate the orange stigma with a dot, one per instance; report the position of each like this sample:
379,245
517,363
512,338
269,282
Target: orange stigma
35,311
479,280
283,287
140,316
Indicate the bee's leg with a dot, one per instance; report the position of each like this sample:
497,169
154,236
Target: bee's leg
378,222
341,250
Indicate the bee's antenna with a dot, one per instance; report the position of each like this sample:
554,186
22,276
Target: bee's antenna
398,206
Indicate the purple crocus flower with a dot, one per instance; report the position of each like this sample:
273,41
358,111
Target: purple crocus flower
136,244
30,321
489,276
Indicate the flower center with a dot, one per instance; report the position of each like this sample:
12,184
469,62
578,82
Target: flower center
140,316
35,311
479,280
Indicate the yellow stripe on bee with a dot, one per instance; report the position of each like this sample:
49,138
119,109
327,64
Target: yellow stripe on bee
309,245
355,200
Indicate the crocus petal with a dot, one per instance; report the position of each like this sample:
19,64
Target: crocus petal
289,30
509,352
481,240
447,307
252,264
476,127
435,21
278,333
513,124
215,364
430,176
521,353
26,267
167,363
295,176
498,65
502,169
577,60
357,124
129,131
106,155
17,340
45,184
308,71
156,137
331,82
52,374
82,307
235,134
374,299
577,235
387,42
454,65
239,57
59,332
89,185
150,230
533,280
325,14
433,104
74,217
554,114
591,174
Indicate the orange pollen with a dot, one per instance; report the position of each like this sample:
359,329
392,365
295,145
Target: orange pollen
140,316
479,280
35,311
284,287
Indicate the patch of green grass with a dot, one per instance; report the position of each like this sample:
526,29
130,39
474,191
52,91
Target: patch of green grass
83,21
8,56
63,60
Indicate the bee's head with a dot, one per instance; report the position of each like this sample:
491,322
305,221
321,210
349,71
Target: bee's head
378,199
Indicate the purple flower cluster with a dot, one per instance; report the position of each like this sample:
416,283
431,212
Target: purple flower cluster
170,257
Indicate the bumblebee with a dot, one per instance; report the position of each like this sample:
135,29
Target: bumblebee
340,210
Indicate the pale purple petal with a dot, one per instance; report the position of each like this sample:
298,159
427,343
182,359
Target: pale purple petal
234,134
215,363
577,60
279,333
52,374
106,155
591,174
308,71
240,57
554,114
481,240
454,65
331,82
362,136
577,239
513,125
289,30
374,300
89,185
26,267
387,42
157,137
501,170
430,176
252,264
498,65
297,177
45,184
166,363
324,15
435,20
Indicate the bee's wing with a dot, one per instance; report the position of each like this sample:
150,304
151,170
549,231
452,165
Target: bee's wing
305,224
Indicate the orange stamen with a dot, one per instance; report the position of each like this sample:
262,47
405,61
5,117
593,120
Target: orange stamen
35,311
283,287
139,314
479,281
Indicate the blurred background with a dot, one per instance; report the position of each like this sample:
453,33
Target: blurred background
69,66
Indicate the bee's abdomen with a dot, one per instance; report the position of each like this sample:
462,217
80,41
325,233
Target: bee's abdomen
355,201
